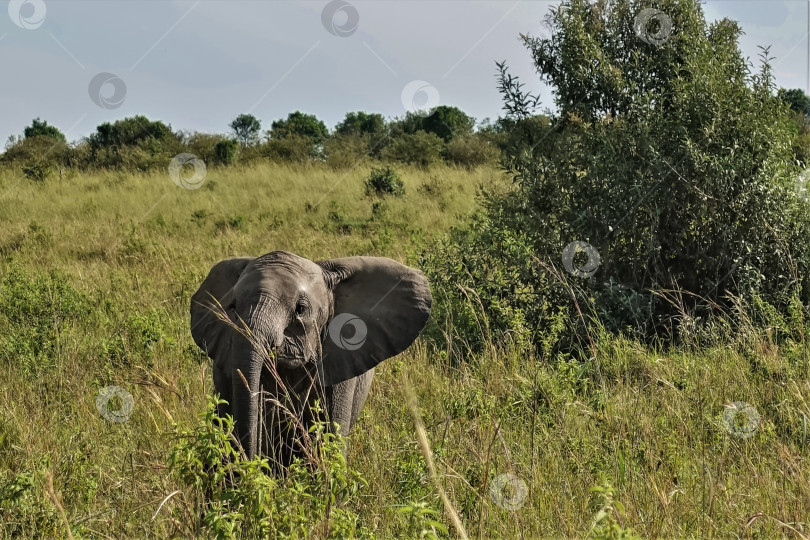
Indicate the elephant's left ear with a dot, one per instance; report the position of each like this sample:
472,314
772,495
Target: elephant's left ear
380,306
215,294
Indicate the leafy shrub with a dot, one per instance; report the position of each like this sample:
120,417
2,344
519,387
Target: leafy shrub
143,331
384,181
131,131
237,222
346,151
202,145
199,216
471,151
24,509
703,203
39,171
37,157
435,186
291,149
606,525
35,309
422,520
133,158
238,498
133,143
420,148
515,134
487,288
226,151
448,122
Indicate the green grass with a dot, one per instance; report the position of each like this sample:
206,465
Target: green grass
97,271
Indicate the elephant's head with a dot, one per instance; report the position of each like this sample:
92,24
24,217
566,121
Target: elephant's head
333,319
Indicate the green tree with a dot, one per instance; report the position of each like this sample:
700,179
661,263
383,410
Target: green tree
448,123
246,128
40,128
410,124
670,157
797,99
202,145
359,134
131,131
420,148
226,151
300,125
361,123
472,151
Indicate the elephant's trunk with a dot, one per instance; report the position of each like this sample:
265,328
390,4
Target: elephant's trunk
250,362
246,398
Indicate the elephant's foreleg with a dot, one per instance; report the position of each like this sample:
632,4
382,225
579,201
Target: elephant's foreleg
345,400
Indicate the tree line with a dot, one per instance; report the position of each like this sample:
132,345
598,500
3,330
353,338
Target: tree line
138,143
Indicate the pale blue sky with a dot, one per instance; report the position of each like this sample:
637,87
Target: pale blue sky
198,64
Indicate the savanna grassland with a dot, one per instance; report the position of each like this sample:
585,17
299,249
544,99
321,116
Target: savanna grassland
97,270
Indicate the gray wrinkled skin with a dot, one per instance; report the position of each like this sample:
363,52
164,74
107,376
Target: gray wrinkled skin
282,360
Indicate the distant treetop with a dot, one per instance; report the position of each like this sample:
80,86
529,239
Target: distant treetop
299,124
797,99
361,123
40,128
246,129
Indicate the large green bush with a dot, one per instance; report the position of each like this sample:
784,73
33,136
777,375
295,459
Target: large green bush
202,145
131,131
346,151
448,122
420,148
471,151
226,151
673,161
36,157
293,148
34,311
384,181
133,143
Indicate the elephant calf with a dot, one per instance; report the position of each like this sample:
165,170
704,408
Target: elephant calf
307,330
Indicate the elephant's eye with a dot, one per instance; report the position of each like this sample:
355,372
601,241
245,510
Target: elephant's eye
301,307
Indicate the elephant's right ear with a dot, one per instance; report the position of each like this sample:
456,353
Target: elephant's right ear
209,332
